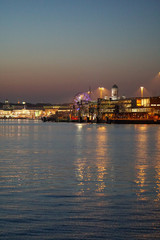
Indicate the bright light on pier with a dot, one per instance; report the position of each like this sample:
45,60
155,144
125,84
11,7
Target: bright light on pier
142,88
101,91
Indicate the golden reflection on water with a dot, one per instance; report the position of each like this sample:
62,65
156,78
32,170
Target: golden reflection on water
21,153
141,164
147,163
90,173
102,158
18,130
157,165
79,126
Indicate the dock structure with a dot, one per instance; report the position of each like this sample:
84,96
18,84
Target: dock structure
121,110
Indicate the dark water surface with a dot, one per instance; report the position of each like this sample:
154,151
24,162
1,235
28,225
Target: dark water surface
79,181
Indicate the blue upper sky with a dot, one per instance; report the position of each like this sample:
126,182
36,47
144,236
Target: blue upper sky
52,49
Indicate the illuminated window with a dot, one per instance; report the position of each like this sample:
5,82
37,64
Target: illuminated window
134,110
144,102
139,102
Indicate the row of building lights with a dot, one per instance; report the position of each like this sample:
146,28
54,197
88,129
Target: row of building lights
102,88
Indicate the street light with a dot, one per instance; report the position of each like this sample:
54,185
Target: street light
142,88
101,91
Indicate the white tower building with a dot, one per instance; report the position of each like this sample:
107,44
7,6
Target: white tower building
114,92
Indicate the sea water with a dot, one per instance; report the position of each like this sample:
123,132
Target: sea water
79,181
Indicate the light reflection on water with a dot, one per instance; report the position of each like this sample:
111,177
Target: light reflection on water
79,181
141,161
91,169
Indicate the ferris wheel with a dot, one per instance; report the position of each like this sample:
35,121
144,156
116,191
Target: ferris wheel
81,97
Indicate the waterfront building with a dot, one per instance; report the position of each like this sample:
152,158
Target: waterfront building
143,107
86,110
25,111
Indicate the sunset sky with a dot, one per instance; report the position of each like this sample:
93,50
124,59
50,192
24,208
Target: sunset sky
52,49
